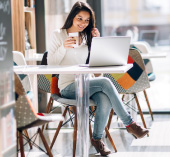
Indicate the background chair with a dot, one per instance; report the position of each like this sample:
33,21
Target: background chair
144,47
18,59
133,81
26,117
69,107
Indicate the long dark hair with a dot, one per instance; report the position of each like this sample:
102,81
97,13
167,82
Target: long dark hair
86,33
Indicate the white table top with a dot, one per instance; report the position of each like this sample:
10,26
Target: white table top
75,69
154,55
38,57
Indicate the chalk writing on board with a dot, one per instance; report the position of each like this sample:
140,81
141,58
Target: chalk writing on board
3,44
5,6
2,31
3,50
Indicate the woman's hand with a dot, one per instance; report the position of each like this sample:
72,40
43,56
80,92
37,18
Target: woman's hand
95,32
69,42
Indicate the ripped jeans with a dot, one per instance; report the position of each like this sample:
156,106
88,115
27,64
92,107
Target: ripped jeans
104,94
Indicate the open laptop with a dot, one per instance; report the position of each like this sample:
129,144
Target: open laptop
109,51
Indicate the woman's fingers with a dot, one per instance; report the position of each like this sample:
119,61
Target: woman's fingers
95,32
69,42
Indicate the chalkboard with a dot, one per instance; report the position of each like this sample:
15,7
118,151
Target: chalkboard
5,35
7,103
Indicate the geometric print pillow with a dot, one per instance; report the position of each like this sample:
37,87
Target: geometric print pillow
44,82
148,65
135,79
25,113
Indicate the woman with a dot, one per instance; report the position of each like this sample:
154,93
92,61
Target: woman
81,19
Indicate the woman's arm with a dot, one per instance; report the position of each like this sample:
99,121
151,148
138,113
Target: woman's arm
56,50
58,47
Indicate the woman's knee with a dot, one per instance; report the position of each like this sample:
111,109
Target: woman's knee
103,82
102,100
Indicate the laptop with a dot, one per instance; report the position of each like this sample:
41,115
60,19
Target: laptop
109,51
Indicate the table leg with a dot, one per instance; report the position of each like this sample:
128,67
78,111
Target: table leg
33,79
82,97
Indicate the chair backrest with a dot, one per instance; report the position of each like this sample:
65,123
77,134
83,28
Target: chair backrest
18,59
135,79
54,85
25,113
44,81
144,47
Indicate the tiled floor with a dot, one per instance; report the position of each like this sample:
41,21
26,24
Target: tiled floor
157,144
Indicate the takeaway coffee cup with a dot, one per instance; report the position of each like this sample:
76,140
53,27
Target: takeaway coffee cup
76,36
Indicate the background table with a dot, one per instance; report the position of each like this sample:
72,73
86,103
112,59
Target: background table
153,55
82,83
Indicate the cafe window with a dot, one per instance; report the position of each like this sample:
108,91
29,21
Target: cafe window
161,6
147,15
149,20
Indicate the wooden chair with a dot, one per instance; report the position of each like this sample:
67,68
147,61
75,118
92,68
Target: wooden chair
133,81
67,104
18,59
69,107
27,118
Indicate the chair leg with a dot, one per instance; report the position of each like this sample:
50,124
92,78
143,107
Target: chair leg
49,106
75,131
45,143
26,134
58,128
123,96
21,144
90,130
140,111
92,109
150,111
110,139
17,135
110,119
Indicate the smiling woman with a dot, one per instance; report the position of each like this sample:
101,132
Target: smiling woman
81,20
56,12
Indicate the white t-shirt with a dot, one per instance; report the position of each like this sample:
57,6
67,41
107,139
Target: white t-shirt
58,55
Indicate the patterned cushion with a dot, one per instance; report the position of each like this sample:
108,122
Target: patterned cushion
118,87
44,83
54,85
147,63
135,72
126,81
25,113
135,79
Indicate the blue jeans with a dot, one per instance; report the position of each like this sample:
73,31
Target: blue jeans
104,94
